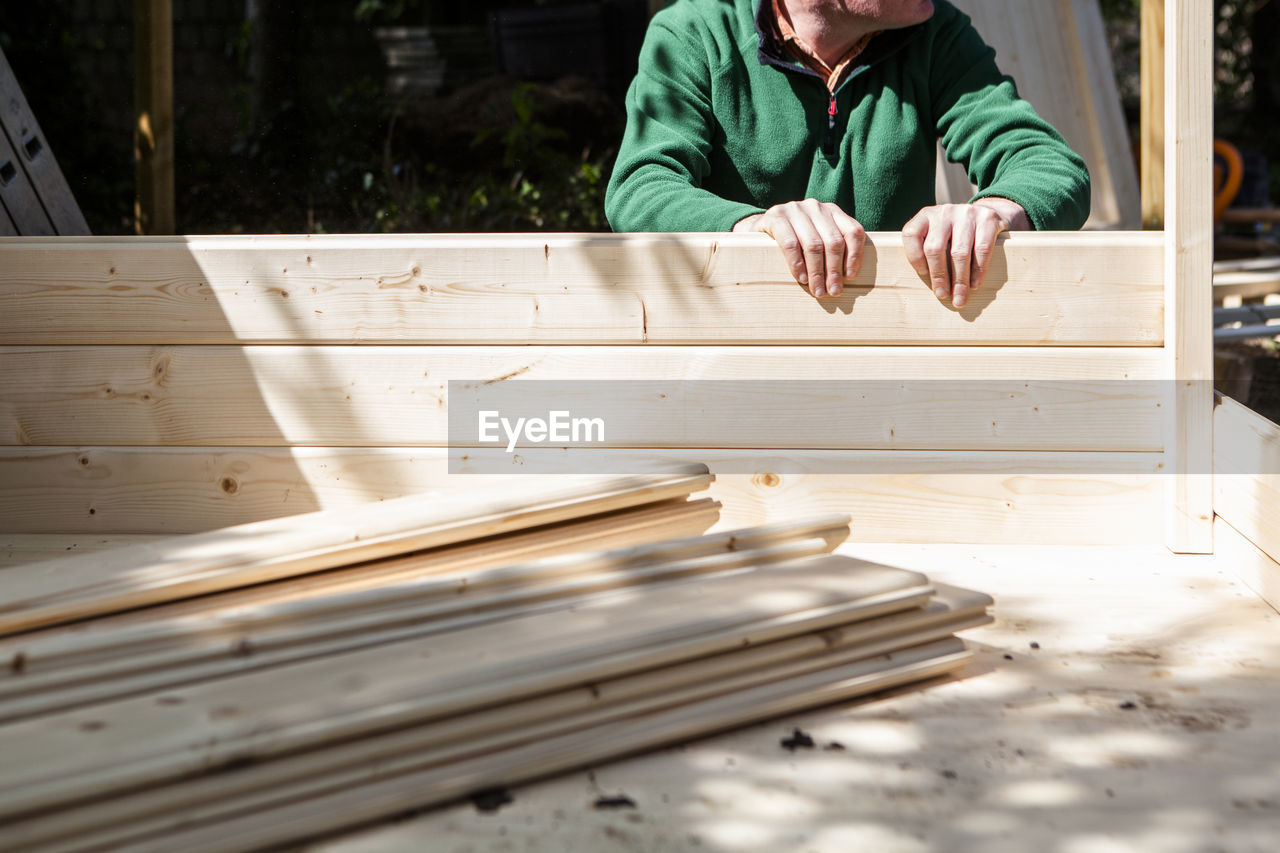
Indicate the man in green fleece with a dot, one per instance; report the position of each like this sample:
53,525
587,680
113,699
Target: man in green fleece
812,120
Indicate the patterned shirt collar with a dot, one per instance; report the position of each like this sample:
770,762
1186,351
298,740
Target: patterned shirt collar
807,56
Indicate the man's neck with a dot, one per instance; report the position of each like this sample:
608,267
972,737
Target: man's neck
826,26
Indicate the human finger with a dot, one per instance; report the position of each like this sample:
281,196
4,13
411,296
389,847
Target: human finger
913,237
777,226
935,253
855,239
812,248
961,251
984,247
823,217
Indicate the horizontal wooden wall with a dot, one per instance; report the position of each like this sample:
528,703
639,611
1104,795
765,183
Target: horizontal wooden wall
893,496
1045,289
1041,398
176,385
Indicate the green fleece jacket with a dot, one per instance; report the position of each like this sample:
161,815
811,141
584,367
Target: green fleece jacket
723,123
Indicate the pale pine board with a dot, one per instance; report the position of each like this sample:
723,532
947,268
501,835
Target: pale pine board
480,751
1066,289
1257,569
334,625
966,497
58,759
944,398
1246,473
1188,271
82,586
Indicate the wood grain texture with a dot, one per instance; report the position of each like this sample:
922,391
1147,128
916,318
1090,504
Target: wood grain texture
1188,270
964,398
457,750
1152,118
56,759
1067,289
144,659
87,585
1246,473
967,497
19,548
542,555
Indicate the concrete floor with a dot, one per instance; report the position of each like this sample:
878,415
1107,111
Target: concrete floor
1146,720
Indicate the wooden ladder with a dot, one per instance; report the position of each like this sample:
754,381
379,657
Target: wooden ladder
34,196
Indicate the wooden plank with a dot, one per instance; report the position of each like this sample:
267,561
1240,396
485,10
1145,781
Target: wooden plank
17,195
444,745
153,209
1188,272
163,647
1246,473
1152,146
995,496
1066,289
625,528
306,704
964,398
88,585
1247,561
19,548
1246,284
157,663
398,752
620,738
1099,640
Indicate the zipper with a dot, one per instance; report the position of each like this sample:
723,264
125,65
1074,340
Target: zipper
829,138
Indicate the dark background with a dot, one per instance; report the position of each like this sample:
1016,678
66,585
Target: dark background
290,118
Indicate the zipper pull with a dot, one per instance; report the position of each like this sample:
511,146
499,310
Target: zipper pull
829,140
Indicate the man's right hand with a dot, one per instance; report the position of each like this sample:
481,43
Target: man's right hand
822,243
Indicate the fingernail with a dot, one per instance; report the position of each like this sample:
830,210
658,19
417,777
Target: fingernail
802,278
940,292
819,291
960,301
850,272
833,289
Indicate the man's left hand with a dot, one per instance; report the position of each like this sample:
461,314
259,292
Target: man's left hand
950,245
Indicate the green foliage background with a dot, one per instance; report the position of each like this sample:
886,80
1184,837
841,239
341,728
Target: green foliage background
517,156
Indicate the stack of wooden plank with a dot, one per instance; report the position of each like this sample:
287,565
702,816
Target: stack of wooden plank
273,682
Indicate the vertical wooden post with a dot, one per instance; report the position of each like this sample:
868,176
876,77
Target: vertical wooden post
1152,130
153,208
1188,272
